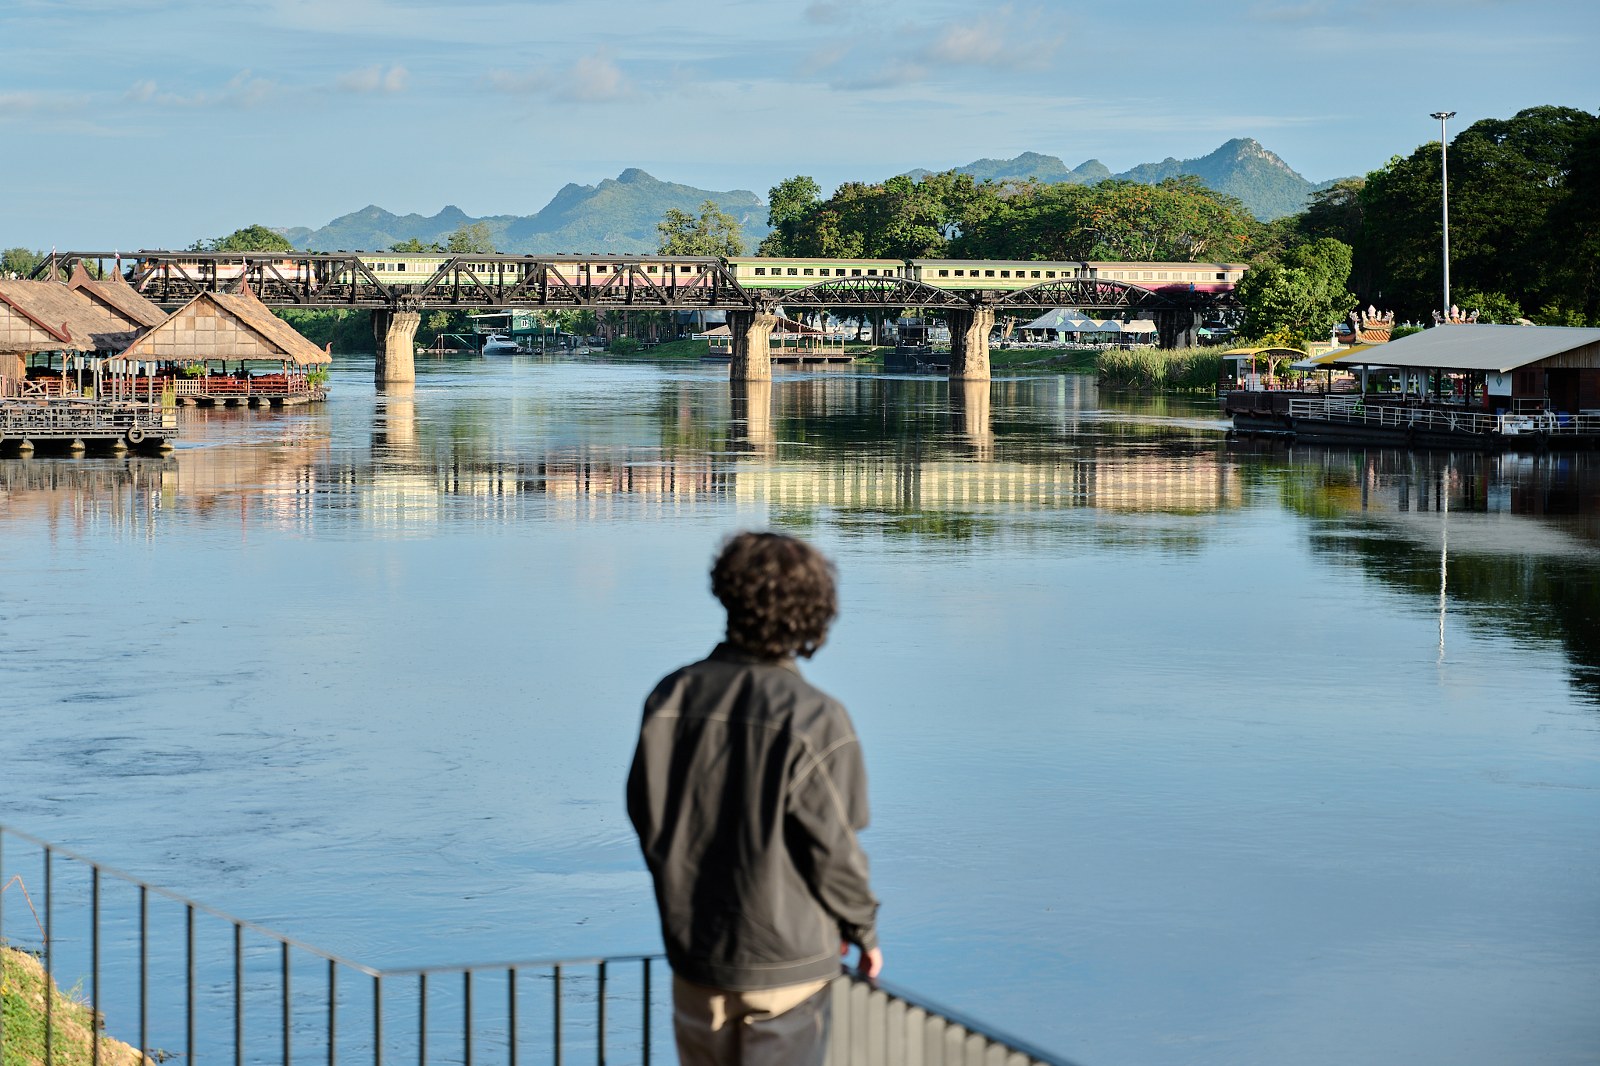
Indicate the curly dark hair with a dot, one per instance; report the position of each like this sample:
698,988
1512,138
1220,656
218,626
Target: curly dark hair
779,593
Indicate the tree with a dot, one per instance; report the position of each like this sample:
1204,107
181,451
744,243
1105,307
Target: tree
248,239
19,262
471,238
788,204
715,232
1516,215
1491,306
1303,295
414,245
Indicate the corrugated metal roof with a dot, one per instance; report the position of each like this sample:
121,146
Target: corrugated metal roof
1497,349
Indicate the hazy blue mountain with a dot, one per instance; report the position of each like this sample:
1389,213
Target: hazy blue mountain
1267,185
618,215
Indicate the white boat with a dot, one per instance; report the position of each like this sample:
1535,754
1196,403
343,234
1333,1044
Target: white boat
499,344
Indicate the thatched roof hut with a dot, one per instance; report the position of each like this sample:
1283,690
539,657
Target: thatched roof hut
116,295
46,316
226,326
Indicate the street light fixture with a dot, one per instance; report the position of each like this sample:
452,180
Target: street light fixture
1444,185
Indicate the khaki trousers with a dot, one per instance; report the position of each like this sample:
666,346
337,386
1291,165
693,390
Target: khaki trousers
771,1027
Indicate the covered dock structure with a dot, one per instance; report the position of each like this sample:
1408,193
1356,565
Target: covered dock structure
1456,385
190,351
50,339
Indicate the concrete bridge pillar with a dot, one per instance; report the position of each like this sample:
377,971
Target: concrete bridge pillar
395,334
969,344
752,348
1177,328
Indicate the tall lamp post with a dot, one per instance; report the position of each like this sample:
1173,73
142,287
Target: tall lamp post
1444,185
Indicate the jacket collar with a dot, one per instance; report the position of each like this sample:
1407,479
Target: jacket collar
732,653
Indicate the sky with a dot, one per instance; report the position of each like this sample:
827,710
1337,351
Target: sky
153,123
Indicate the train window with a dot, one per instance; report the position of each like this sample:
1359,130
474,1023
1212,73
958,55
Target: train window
794,271
838,272
855,272
946,273
650,268
988,273
599,268
808,272
701,269
1162,274
1222,277
1147,275
684,269
872,270
1006,273
1035,273
1048,274
761,271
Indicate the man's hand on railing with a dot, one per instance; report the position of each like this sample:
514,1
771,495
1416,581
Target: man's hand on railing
869,965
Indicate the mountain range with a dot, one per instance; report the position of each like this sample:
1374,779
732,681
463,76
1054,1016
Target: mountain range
1268,187
619,215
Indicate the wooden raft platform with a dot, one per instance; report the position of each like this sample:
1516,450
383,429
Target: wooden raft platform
70,424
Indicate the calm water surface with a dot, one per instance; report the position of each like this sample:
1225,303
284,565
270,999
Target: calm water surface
1181,751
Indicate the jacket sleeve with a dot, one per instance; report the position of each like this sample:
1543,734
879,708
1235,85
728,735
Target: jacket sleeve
827,805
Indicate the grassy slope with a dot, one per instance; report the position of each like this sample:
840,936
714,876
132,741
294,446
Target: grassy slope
22,985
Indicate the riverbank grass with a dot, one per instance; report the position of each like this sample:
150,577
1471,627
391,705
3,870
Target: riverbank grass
22,1000
1158,370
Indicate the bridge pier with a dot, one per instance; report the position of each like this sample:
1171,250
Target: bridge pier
1177,327
969,344
752,347
395,335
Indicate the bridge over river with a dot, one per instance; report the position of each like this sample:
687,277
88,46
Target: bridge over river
645,283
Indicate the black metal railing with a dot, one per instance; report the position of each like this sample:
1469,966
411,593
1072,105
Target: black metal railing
182,978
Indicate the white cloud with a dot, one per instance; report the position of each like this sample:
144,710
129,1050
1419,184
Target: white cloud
36,102
244,89
590,79
375,79
1002,38
595,78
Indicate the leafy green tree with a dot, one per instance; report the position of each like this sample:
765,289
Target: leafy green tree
471,238
1177,219
715,232
19,262
1491,306
1301,296
788,204
248,239
414,246
1517,215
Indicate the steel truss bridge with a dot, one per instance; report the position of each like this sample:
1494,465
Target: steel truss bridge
498,282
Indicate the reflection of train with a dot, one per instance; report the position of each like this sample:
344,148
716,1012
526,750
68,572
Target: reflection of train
751,272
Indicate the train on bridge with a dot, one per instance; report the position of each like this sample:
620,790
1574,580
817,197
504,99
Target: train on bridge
399,271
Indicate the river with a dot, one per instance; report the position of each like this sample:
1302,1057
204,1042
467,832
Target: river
1182,751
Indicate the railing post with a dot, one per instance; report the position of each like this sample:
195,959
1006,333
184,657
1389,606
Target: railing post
94,964
333,1013
600,1018
511,1016
422,1019
188,1022
283,964
466,1018
238,994
646,1025
377,1020
555,1026
49,973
